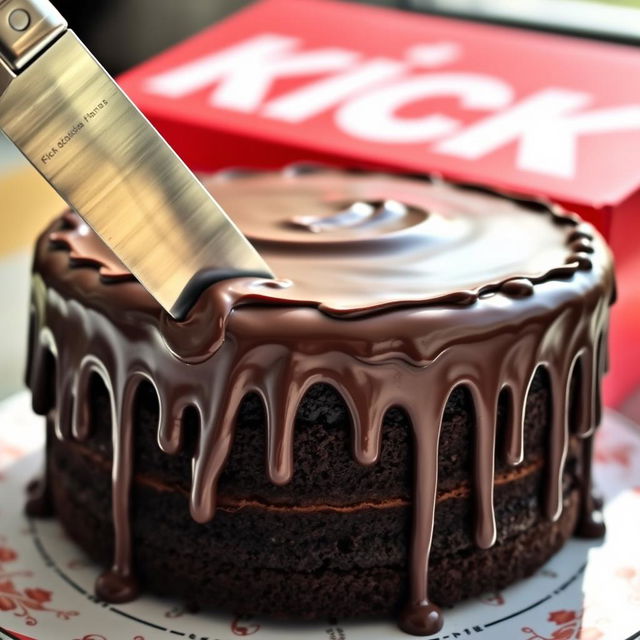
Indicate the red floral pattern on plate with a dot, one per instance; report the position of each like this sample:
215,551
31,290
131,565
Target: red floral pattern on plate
568,627
608,451
614,455
23,603
562,617
242,626
495,599
10,452
631,577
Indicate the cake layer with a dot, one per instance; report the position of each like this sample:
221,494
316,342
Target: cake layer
313,564
345,544
324,466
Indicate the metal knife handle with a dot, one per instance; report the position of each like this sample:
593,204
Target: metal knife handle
27,27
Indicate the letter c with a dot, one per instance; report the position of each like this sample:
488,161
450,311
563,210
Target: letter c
372,115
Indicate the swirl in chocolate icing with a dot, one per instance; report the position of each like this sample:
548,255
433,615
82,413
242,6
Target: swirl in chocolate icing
462,287
361,220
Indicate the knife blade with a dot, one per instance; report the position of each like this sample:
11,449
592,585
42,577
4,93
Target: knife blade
82,133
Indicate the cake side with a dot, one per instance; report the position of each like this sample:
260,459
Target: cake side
343,550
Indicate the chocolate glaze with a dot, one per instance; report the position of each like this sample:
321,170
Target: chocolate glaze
395,301
86,248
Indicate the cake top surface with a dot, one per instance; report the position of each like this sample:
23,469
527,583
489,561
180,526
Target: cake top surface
350,243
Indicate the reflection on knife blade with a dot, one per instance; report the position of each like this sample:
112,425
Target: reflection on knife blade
82,133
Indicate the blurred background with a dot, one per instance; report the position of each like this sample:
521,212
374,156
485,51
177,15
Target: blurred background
122,33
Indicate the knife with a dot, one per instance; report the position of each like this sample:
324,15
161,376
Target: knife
93,146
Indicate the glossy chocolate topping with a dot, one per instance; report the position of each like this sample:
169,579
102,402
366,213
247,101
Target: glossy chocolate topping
393,290
86,248
349,244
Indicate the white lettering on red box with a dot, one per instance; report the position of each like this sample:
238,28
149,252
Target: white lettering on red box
367,94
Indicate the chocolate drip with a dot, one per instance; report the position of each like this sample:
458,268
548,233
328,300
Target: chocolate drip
244,336
86,248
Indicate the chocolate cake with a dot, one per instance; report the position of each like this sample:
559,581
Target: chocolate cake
402,420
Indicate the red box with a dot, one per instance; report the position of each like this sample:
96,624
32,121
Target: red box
317,80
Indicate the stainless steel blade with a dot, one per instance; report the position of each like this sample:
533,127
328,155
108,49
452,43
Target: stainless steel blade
82,133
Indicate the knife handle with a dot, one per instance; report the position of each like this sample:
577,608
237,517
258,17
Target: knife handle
27,27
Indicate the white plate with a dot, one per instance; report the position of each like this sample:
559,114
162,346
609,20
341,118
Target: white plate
588,591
